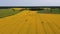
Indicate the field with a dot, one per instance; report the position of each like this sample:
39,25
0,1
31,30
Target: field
30,22
7,12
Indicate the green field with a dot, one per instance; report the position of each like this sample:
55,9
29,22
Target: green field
7,12
53,11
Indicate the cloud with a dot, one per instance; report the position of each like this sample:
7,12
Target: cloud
29,3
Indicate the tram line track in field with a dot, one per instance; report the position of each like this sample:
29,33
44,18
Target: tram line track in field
42,21
49,23
53,22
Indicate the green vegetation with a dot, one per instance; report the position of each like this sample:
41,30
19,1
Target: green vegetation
51,11
7,12
46,10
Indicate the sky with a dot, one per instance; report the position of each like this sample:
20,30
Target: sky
29,2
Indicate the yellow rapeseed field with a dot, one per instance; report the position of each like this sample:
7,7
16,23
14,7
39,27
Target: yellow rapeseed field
30,22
